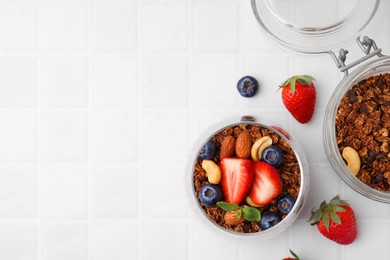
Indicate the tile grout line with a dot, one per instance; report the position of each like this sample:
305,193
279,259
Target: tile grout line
89,127
39,241
139,126
190,36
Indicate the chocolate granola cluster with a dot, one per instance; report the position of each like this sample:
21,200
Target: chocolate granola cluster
363,123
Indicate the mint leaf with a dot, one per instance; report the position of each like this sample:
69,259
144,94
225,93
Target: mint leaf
251,214
239,214
227,206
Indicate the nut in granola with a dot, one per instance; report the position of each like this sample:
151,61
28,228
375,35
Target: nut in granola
232,219
228,147
243,144
353,160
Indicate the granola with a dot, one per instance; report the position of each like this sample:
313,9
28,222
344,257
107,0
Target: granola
289,173
363,123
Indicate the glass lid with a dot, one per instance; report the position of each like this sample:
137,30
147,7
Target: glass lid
314,26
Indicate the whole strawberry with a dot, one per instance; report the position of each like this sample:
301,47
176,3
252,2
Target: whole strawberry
295,257
299,97
336,221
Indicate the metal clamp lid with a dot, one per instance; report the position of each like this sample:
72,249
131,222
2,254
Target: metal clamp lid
367,45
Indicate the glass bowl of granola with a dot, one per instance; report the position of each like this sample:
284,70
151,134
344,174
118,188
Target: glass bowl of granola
248,177
356,129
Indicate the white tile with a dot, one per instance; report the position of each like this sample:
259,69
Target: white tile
277,247
214,82
63,192
215,27
164,27
64,240
65,82
174,179
114,27
18,136
113,192
18,27
224,245
169,240
18,240
372,240
16,90
165,80
65,136
252,37
311,142
18,192
114,136
65,27
269,79
114,82
114,240
167,130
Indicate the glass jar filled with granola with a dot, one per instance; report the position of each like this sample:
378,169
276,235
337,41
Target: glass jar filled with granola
357,124
248,177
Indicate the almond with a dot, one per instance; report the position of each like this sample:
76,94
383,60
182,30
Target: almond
243,144
228,146
231,218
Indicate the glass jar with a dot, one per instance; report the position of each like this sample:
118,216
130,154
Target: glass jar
283,134
314,26
371,68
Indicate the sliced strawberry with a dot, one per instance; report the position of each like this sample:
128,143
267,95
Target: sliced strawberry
237,178
267,184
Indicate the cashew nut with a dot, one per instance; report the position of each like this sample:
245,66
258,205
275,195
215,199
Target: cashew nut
353,160
212,170
259,146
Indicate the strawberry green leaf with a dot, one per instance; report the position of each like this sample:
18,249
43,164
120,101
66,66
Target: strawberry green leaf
338,209
294,254
305,79
325,218
251,214
292,84
227,206
335,218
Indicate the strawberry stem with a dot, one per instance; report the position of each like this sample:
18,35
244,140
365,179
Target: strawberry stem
303,79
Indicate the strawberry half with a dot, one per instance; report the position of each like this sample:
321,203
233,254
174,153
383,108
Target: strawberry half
236,179
336,221
267,184
299,97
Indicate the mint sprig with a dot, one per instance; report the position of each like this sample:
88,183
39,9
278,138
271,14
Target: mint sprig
249,213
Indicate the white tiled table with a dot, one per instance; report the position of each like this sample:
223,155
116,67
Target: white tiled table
100,103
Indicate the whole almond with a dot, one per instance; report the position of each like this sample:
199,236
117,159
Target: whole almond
243,144
228,147
231,218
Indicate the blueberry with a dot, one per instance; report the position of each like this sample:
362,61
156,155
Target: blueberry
247,86
273,155
208,151
210,194
286,203
268,220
